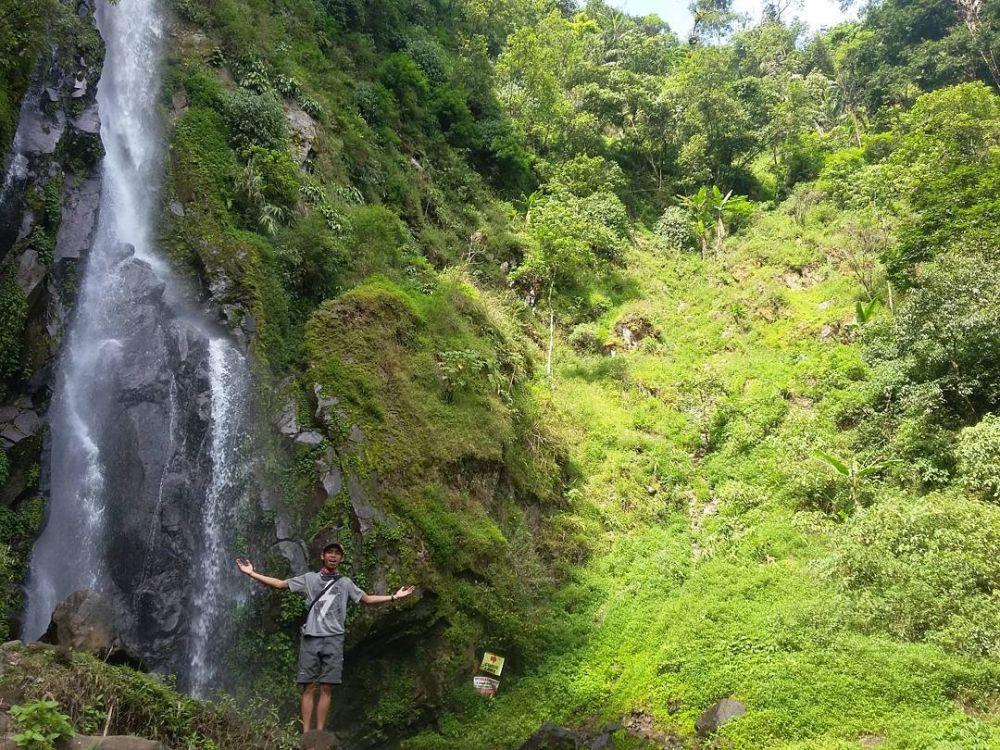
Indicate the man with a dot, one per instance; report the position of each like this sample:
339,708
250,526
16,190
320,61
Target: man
321,649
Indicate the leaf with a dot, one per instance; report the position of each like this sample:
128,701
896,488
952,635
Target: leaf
833,461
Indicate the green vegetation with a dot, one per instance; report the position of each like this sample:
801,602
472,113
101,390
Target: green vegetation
41,725
761,470
759,268
49,687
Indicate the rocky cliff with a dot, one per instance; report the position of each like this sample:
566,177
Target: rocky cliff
48,217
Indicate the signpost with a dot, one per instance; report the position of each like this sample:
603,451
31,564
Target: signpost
492,664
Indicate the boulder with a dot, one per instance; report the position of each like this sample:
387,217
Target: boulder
319,740
552,737
30,272
295,553
287,421
87,621
302,128
308,437
78,221
113,742
718,714
364,511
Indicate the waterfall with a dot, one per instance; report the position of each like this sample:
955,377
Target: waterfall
148,414
212,596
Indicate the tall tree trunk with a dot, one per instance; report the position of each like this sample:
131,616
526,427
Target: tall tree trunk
552,331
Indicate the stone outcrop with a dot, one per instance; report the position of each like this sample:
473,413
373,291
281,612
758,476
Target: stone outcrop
87,621
113,742
717,714
317,740
552,737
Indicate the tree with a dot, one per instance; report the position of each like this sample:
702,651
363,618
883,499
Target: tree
568,237
713,19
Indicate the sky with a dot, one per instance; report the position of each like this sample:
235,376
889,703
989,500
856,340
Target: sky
816,13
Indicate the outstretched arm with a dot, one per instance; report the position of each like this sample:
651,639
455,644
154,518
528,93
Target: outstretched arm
246,568
382,598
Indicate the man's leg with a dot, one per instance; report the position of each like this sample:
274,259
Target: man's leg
322,705
308,690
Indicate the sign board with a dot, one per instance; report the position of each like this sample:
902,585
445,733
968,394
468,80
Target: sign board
492,663
486,685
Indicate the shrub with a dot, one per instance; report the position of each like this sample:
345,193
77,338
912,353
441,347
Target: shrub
978,455
947,334
453,115
41,724
926,570
404,78
279,173
583,175
586,338
674,227
255,120
13,313
839,173
375,104
430,57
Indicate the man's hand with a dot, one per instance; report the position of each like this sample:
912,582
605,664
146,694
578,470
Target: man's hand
404,591
246,568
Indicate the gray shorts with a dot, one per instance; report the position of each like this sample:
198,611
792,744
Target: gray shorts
321,659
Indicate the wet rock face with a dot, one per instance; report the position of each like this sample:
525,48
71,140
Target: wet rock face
48,197
157,470
48,217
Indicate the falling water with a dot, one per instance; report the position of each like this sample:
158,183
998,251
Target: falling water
211,603
147,420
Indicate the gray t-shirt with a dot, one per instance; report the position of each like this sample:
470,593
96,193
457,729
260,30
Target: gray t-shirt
328,615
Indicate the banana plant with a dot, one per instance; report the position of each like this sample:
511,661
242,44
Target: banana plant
863,311
709,209
853,472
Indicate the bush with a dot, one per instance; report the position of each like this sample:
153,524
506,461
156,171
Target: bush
402,76
255,120
946,334
279,173
41,725
586,338
839,173
584,175
926,570
375,104
674,227
978,455
430,57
